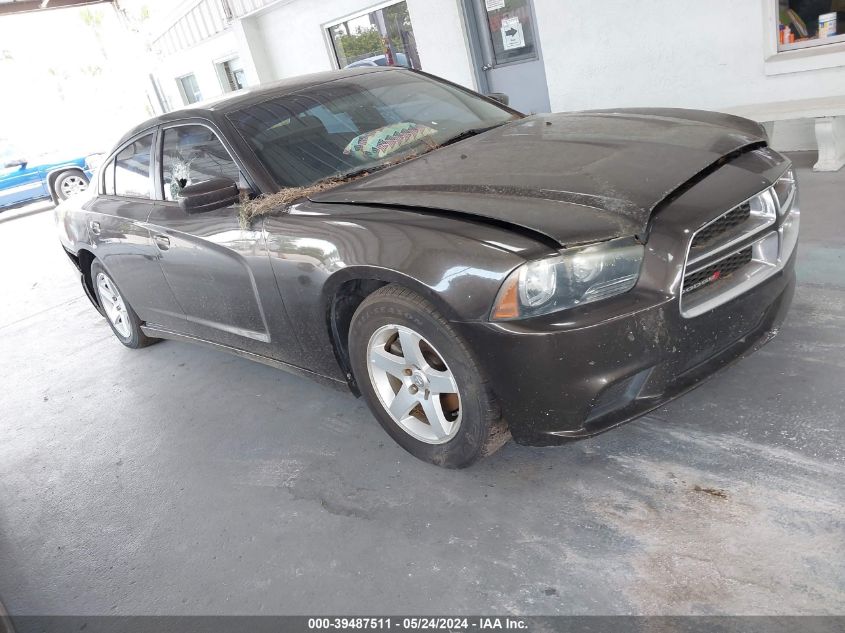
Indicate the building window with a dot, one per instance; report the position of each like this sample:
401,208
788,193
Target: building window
189,88
383,37
806,23
231,75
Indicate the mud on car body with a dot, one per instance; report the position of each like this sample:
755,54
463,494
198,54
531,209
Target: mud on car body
473,273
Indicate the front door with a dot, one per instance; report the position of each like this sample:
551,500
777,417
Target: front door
506,52
19,183
219,271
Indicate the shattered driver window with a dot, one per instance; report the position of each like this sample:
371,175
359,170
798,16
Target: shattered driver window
192,154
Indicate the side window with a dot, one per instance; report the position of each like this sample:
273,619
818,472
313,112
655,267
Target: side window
108,179
192,154
132,169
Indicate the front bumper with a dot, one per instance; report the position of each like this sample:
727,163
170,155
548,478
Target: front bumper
556,383
582,371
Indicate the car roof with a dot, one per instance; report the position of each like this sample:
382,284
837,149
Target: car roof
250,96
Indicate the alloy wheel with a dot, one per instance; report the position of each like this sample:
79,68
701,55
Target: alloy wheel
73,185
414,384
113,305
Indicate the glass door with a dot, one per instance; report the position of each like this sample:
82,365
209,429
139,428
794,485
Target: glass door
508,52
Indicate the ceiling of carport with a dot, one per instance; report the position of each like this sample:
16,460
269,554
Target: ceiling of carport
8,7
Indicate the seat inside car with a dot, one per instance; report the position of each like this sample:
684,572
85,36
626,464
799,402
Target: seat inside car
306,150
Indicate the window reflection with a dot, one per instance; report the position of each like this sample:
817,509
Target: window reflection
132,169
383,37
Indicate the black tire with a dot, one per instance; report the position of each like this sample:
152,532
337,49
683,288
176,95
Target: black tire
482,431
64,177
135,338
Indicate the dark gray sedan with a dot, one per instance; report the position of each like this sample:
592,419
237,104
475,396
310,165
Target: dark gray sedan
474,273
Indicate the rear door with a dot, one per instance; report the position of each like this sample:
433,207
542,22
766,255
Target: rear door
219,271
117,228
19,183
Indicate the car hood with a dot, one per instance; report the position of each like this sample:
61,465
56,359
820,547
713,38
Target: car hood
576,178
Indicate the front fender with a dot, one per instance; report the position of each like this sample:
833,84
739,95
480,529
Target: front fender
315,249
449,306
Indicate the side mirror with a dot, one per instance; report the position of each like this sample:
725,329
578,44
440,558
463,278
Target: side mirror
209,195
17,162
501,97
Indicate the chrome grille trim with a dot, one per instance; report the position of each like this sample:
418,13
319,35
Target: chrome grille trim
770,249
726,222
725,266
758,219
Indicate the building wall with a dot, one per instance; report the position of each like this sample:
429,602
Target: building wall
681,53
685,53
199,60
293,36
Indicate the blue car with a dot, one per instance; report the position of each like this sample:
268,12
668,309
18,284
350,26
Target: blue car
23,181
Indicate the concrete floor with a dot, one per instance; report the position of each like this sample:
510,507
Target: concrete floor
178,480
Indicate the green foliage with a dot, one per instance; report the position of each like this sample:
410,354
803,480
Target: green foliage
397,16
91,18
363,43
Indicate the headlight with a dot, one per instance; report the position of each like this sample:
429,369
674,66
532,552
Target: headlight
575,277
93,161
785,188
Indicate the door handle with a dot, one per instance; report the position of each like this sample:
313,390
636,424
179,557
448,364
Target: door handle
95,228
162,241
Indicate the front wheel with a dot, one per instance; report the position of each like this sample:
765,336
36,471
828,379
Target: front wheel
120,316
421,382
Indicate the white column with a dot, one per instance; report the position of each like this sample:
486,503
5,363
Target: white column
830,135
251,50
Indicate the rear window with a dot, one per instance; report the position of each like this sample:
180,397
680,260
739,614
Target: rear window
132,169
359,122
108,179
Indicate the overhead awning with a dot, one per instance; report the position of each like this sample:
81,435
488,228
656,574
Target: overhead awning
9,7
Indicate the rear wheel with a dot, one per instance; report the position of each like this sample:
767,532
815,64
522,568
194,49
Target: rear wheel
119,314
70,183
421,382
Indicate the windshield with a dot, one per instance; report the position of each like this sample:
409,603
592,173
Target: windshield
359,123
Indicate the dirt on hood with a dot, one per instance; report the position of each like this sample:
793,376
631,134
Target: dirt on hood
278,202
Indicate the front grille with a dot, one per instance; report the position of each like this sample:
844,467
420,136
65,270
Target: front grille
739,249
717,272
725,224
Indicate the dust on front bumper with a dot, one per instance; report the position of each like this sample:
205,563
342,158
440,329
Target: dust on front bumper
559,384
582,371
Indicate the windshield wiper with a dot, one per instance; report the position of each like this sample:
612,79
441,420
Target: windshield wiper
468,133
349,175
